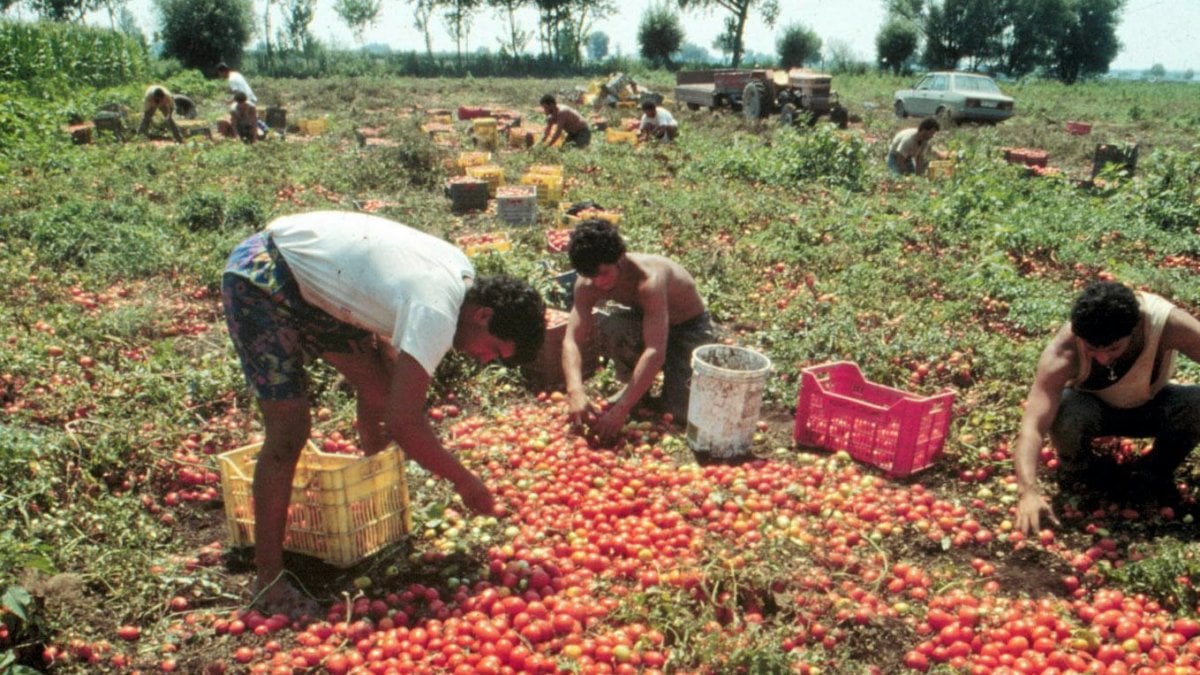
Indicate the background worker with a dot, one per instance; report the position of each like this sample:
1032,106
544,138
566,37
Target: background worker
908,153
657,123
662,320
158,99
1107,373
564,120
382,303
244,118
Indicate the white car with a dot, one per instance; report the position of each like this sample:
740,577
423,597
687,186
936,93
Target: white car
955,96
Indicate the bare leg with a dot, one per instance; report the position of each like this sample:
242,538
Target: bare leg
287,425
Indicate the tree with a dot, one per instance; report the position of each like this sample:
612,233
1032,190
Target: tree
422,15
202,33
731,39
563,23
297,15
63,10
597,46
691,52
457,15
1157,71
515,42
895,44
1189,75
358,15
1037,26
1089,42
797,46
842,59
659,35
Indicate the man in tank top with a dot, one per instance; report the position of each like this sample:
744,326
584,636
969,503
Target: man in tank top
1107,373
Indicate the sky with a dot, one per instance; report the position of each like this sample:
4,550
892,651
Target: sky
1151,31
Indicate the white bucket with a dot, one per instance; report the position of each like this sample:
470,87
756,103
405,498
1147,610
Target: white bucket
726,395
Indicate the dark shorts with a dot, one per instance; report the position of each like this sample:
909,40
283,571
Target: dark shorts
580,139
620,332
274,330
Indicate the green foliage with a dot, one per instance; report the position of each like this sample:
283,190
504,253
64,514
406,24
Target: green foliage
52,58
358,14
820,154
1159,574
1169,194
659,34
895,45
202,33
797,46
738,13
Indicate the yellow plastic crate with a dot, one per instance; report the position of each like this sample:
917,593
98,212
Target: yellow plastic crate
474,244
618,136
940,168
546,169
549,188
494,175
466,159
313,127
571,220
343,507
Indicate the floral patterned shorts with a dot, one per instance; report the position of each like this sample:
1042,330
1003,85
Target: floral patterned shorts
274,330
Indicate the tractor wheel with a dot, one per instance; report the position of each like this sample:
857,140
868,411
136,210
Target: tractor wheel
787,115
755,105
840,116
900,111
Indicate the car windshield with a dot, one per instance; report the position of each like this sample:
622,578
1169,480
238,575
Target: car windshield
983,85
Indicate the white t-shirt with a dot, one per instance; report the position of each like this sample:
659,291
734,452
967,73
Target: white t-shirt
662,118
238,83
907,144
379,275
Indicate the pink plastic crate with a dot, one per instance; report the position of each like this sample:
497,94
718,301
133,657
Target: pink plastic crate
891,429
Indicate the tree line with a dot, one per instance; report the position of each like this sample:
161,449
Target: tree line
1064,39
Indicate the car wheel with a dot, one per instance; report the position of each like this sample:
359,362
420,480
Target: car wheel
900,111
945,117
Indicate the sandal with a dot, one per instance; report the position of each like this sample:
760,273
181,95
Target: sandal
280,597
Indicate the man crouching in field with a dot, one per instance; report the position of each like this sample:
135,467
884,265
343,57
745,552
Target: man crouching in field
382,303
1107,373
659,321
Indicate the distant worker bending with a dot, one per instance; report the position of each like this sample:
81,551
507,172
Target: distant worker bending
657,123
158,99
564,120
908,153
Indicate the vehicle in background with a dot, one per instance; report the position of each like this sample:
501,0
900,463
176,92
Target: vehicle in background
796,95
956,97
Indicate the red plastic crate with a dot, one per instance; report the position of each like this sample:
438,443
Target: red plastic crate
893,430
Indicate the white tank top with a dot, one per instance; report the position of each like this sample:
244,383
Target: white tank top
1135,388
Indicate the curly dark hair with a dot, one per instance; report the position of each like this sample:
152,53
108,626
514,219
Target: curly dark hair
1104,312
518,313
594,242
548,99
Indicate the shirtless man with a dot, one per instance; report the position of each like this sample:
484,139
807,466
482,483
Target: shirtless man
662,321
158,99
564,120
1107,373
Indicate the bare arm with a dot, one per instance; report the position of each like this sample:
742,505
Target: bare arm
410,428
655,325
579,329
1055,368
1182,333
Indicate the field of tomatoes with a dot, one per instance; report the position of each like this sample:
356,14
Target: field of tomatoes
119,391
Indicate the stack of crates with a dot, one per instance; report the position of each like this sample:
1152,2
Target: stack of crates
548,179
343,508
494,175
485,132
517,204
